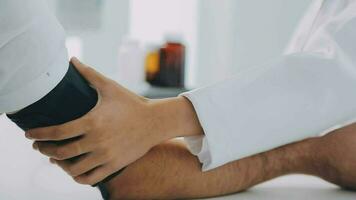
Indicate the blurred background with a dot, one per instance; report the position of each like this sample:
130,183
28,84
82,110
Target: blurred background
157,48
220,38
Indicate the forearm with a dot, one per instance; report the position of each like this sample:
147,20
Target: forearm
174,117
179,175
266,107
245,173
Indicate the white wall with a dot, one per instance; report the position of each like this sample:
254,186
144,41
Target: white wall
99,24
236,34
222,36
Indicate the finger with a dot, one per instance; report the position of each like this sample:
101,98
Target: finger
95,176
81,166
35,146
65,131
91,75
53,161
62,152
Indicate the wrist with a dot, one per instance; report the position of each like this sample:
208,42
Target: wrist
175,117
299,157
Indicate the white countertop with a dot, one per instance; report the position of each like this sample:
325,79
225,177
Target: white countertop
25,174
297,187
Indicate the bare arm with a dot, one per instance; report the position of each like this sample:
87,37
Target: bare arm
169,171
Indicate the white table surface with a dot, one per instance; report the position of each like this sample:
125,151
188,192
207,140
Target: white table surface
25,174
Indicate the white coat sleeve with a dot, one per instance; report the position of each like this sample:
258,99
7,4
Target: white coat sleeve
33,57
295,97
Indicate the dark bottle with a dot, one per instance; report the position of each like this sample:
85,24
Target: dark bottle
171,67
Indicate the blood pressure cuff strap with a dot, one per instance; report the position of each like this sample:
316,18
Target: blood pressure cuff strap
69,100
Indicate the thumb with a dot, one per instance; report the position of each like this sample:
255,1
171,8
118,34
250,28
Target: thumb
92,76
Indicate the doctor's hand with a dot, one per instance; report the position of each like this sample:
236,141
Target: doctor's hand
120,129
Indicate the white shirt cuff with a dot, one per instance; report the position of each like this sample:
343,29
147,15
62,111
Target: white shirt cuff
203,146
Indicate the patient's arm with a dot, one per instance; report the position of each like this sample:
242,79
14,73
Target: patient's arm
337,161
169,171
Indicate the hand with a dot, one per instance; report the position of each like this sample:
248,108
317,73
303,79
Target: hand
121,128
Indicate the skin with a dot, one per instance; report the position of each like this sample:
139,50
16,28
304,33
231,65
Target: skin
125,124
338,160
122,123
169,171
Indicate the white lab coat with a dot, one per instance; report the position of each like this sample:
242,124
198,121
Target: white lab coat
309,91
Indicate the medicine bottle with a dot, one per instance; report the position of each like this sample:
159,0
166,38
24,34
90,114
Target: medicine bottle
172,62
170,68
152,63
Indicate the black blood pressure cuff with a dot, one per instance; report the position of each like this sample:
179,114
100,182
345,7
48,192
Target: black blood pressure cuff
69,100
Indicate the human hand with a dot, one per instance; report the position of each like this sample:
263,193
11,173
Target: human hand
121,128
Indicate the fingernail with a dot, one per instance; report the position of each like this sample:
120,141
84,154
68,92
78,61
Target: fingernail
75,59
35,146
52,161
28,135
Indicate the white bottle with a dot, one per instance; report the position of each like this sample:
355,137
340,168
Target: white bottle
130,71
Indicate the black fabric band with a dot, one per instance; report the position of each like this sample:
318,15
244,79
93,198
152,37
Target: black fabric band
69,100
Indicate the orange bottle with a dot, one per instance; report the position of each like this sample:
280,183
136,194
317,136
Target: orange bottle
152,63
